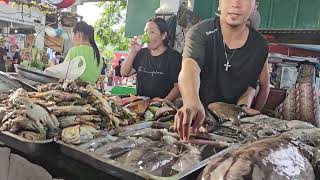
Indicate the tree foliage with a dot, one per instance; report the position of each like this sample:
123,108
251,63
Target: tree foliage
108,54
110,27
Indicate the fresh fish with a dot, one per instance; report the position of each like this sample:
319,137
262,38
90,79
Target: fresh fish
229,112
187,159
115,149
96,143
153,134
151,159
164,111
32,135
139,107
169,139
271,158
67,121
148,116
78,134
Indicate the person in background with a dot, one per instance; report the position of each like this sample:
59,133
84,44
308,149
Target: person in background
86,47
59,58
16,58
56,59
157,66
104,67
117,78
3,55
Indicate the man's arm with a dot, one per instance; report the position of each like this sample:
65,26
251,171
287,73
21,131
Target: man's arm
192,113
264,88
189,81
247,97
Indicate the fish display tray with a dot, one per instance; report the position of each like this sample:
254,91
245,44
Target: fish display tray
116,169
6,84
14,141
22,79
12,83
35,75
27,146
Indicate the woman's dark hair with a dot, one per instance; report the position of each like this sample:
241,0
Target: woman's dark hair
88,32
163,27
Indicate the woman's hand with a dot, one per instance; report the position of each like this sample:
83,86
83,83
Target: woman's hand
135,47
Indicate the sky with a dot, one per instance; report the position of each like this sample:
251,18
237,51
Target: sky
90,12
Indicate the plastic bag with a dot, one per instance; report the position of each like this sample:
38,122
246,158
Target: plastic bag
68,70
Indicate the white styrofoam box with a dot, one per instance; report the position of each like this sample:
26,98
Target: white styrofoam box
288,77
169,6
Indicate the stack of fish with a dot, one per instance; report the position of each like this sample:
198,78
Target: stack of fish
80,112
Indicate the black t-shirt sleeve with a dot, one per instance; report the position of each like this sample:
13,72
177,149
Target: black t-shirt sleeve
138,59
195,43
264,50
175,67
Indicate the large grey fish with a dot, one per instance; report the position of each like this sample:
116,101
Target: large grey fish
93,144
153,134
117,148
151,159
188,158
271,158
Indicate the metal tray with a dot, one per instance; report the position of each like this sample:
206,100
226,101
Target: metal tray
116,169
13,83
35,75
22,79
26,146
14,141
7,85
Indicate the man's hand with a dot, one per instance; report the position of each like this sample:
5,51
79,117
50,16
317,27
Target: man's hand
189,116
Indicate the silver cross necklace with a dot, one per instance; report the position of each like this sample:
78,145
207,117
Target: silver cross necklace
227,65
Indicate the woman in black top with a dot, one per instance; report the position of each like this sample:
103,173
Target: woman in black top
157,66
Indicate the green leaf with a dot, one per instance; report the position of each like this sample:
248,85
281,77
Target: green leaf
110,27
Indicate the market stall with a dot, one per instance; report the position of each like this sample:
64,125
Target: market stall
99,132
74,130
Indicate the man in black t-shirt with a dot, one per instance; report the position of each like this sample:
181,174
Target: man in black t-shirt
223,61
